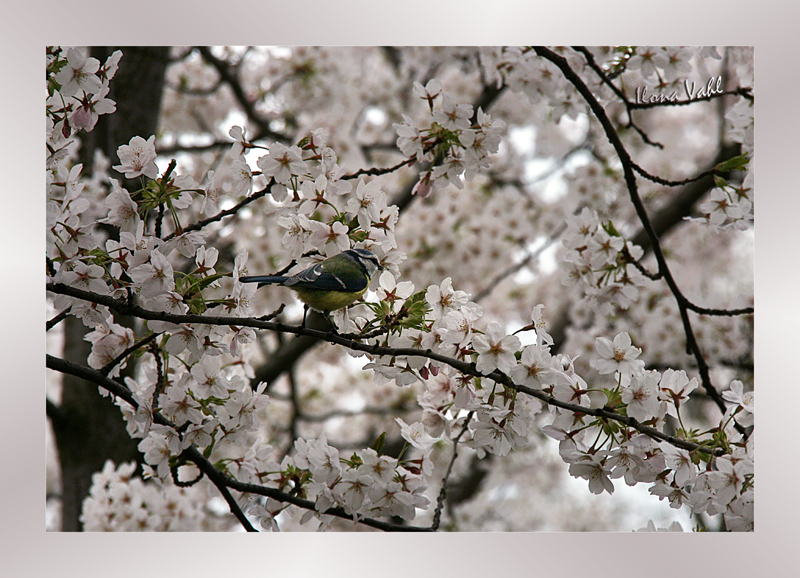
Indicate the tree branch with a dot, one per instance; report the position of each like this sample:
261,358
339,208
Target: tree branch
630,180
106,369
226,213
192,454
467,368
56,320
232,80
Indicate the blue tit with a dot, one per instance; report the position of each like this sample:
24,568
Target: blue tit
331,284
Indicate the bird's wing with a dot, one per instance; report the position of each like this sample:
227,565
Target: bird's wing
315,277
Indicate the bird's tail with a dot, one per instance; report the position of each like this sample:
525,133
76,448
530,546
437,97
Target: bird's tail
264,279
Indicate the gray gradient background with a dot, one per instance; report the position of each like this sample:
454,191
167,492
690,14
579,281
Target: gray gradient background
29,551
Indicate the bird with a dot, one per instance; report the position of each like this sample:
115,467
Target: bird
328,285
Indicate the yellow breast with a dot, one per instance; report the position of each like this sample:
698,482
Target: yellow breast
326,300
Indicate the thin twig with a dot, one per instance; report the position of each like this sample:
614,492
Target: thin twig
437,515
669,183
226,213
106,369
380,171
57,319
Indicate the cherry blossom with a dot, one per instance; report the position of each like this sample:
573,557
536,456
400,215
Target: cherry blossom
495,350
138,158
619,355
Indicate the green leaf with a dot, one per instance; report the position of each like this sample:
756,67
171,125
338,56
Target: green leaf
734,164
379,442
614,398
609,228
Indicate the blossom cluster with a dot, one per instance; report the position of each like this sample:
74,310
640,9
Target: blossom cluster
455,147
601,262
522,71
696,479
78,88
119,501
502,418
365,484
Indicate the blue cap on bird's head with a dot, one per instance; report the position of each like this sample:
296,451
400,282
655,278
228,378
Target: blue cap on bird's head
366,259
